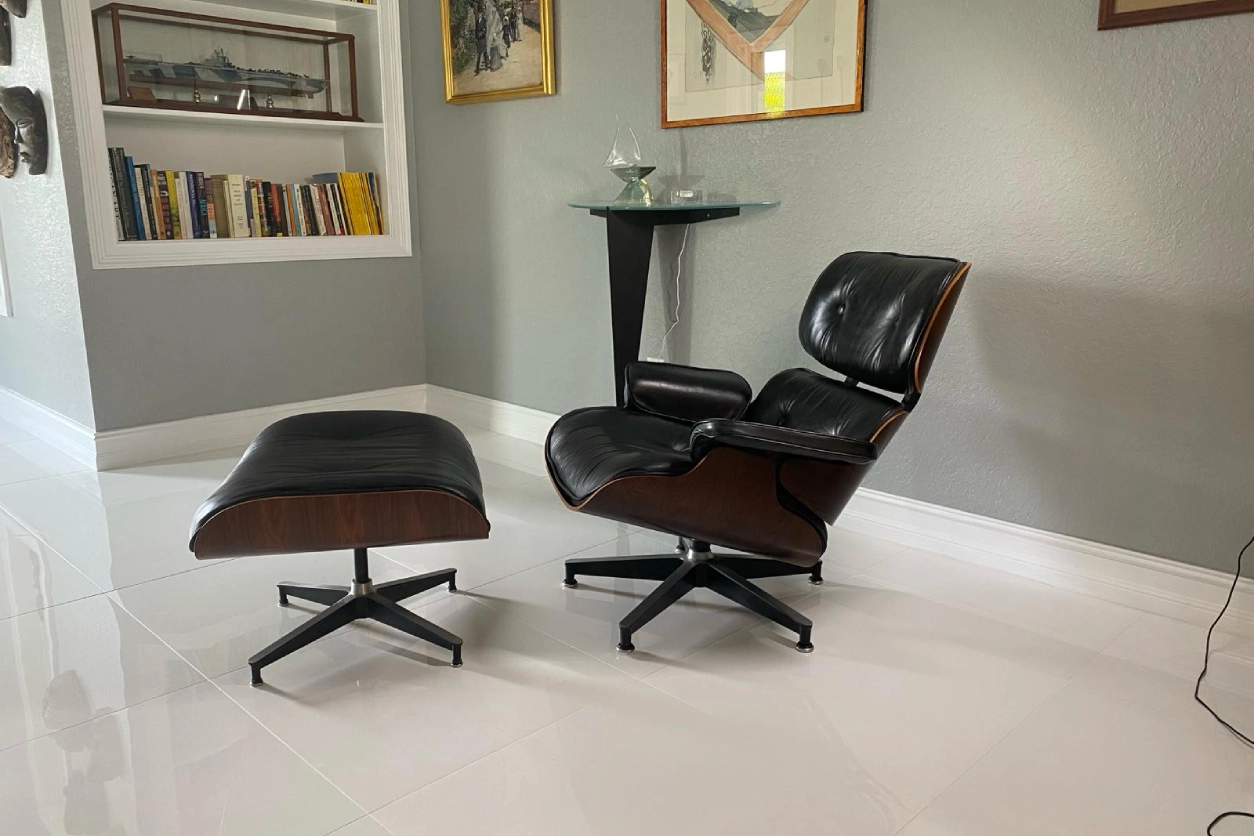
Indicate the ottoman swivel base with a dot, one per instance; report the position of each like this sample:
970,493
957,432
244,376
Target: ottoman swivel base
362,600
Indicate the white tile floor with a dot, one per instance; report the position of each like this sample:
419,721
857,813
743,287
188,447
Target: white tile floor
943,699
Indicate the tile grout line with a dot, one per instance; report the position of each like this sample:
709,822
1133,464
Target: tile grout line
1046,700
95,717
248,714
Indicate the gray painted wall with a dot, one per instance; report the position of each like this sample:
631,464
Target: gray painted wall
42,353
1096,379
167,344
519,308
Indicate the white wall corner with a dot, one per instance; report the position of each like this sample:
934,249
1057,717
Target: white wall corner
49,426
519,422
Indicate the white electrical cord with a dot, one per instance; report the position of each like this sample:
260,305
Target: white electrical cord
679,272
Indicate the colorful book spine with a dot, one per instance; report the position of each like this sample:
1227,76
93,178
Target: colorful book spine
221,219
145,204
277,213
376,200
186,197
117,163
261,225
212,219
341,211
117,207
202,204
163,199
152,205
239,210
318,192
151,208
188,183
176,215
129,162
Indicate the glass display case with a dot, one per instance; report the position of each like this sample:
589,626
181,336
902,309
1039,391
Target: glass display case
179,60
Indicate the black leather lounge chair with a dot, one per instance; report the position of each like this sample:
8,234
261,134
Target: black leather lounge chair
692,452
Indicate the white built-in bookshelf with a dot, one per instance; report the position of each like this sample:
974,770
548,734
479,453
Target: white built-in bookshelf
272,148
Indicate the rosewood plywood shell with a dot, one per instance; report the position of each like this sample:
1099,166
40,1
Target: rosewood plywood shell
284,525
730,499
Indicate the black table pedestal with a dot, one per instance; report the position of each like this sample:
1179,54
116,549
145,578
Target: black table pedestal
630,235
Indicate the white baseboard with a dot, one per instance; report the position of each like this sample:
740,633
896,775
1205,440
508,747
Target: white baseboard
155,442
65,434
1149,583
497,416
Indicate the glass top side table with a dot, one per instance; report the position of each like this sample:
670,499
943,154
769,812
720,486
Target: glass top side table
629,230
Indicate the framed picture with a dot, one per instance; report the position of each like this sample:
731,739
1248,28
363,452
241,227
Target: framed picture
745,60
1114,14
497,49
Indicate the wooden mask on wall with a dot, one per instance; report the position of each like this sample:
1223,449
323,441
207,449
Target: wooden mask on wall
28,128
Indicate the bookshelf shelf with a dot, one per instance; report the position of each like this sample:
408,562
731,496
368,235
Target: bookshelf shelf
240,120
273,148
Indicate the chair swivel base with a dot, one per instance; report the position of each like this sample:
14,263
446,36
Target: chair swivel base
728,575
346,604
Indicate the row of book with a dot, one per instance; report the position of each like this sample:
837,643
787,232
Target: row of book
156,205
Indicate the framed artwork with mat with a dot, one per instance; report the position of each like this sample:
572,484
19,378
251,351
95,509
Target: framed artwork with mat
746,60
1115,14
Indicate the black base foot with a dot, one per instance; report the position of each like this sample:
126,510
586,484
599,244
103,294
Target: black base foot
728,576
363,601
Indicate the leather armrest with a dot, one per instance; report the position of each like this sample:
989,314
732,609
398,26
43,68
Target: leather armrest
764,438
685,392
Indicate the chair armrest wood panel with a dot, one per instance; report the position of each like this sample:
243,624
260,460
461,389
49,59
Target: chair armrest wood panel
330,522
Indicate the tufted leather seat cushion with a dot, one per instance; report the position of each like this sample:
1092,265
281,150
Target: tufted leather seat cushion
803,400
349,453
589,448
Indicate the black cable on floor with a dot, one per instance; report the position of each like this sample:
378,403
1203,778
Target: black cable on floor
1197,689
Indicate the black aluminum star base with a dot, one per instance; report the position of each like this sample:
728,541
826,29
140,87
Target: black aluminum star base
697,566
346,604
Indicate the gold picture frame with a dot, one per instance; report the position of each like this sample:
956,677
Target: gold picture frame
723,62
1116,14
513,37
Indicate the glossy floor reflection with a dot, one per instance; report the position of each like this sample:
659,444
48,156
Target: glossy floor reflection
943,699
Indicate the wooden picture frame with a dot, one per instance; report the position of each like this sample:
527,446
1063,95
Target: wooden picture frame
1116,14
734,56
523,28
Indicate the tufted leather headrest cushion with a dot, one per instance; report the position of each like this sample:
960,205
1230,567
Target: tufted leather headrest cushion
869,313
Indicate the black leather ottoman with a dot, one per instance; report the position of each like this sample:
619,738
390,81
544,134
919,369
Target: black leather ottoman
348,480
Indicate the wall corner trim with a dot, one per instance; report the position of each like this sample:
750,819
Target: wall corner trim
509,419
65,434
